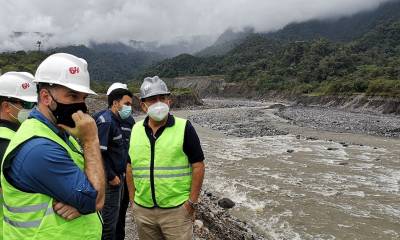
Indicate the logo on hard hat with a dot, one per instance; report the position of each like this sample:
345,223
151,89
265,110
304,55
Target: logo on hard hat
74,70
25,86
146,87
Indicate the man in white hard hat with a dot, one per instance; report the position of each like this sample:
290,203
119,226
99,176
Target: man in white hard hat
114,126
168,168
17,98
54,160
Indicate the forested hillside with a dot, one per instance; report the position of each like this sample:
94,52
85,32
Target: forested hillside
369,64
105,64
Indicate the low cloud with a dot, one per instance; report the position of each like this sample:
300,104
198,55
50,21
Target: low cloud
57,23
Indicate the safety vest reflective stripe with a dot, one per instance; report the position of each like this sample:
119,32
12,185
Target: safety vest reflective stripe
32,208
164,176
28,224
163,168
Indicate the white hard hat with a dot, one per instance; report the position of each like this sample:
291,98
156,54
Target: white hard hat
153,86
18,85
66,70
116,85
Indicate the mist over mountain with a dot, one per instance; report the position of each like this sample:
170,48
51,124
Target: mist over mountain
342,29
166,23
225,42
307,61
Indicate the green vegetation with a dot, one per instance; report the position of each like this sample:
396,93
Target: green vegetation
21,61
108,65
370,64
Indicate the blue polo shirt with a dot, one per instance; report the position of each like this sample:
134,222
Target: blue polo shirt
114,134
42,166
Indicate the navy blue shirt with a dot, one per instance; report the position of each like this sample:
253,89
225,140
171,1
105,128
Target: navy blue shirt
43,166
114,136
126,127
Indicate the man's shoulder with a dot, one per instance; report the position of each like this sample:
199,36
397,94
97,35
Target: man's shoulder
39,151
104,116
40,145
129,122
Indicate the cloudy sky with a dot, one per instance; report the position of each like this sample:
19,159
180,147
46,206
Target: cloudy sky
82,21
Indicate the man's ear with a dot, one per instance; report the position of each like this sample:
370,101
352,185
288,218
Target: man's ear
45,97
170,102
143,107
5,107
115,104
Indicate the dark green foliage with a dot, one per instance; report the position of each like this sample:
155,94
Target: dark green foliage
21,61
184,64
111,66
370,64
104,65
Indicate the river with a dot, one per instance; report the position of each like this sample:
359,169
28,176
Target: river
328,186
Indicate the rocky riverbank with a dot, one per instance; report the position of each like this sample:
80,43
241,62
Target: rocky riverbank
336,120
253,119
213,222
217,86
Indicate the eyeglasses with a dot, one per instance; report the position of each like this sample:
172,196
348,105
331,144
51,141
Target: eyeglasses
156,98
25,105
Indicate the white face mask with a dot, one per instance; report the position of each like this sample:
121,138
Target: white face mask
158,111
23,114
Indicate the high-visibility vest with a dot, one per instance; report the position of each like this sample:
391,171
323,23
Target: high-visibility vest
8,134
30,215
162,175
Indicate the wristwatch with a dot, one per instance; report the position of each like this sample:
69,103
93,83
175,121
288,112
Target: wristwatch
194,205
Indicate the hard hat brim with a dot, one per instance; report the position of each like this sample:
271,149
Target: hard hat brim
155,94
28,99
81,89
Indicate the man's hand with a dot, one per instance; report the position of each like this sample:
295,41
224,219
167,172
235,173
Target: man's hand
190,210
115,182
85,127
65,211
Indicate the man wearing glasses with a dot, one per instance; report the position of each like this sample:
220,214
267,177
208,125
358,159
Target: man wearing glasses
17,98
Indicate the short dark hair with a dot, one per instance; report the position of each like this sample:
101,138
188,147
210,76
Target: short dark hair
41,86
117,95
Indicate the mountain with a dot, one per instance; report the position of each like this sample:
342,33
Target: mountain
343,29
368,64
226,42
112,62
176,47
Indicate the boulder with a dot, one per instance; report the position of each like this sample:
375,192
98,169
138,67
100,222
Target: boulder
226,203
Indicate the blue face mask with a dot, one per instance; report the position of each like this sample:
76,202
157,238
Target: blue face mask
125,111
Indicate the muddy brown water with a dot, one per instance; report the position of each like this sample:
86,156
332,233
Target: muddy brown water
346,192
